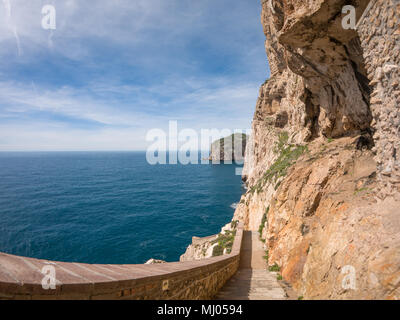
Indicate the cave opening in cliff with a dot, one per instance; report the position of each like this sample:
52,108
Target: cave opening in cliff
318,73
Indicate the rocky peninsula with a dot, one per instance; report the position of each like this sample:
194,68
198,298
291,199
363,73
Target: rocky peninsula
229,149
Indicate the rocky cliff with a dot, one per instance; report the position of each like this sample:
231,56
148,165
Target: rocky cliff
322,166
212,246
230,148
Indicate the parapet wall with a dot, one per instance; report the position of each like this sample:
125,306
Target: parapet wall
379,32
21,278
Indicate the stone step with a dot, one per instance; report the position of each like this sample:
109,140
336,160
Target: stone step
265,289
252,297
253,281
256,278
266,295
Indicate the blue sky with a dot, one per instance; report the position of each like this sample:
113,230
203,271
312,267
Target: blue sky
113,70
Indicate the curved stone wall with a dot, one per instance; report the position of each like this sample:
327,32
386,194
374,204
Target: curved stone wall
21,278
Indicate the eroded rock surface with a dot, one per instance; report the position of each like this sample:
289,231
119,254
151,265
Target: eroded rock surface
230,148
207,247
321,165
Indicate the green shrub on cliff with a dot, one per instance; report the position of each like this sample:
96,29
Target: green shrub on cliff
266,256
288,155
225,241
263,221
282,142
234,224
274,268
218,251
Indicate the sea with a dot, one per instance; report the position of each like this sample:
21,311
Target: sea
110,207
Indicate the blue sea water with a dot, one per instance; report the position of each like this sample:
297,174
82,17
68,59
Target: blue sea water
109,207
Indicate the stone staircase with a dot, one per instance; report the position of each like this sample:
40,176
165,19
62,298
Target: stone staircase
252,281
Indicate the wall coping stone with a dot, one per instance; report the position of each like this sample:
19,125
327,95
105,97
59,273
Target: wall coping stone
23,276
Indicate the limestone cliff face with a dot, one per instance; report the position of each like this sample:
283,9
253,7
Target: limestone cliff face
199,249
322,164
207,247
230,148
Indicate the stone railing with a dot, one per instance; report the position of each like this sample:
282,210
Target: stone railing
21,278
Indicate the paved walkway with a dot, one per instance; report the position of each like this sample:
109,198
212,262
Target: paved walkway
252,281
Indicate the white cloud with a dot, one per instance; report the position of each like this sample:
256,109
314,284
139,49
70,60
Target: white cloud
116,126
109,113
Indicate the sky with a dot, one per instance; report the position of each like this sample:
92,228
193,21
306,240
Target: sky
112,71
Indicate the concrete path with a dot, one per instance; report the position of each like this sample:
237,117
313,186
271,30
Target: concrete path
252,281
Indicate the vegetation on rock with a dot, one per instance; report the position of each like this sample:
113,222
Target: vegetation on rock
274,268
263,221
224,241
288,155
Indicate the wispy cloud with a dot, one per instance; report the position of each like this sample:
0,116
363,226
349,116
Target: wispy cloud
114,69
10,23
